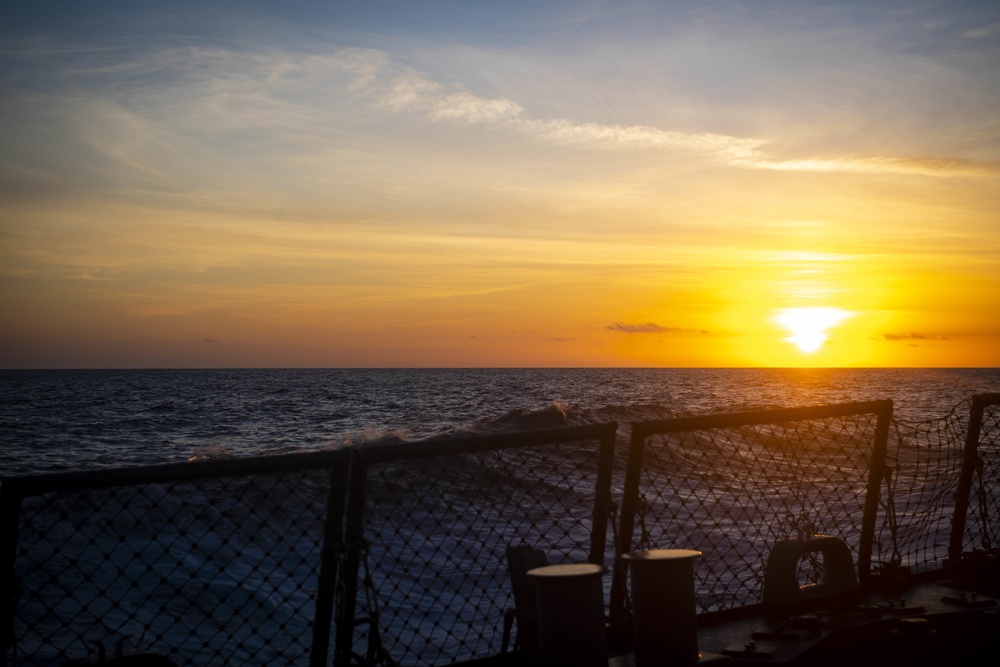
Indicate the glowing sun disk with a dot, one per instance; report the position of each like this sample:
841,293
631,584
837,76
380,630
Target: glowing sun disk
807,326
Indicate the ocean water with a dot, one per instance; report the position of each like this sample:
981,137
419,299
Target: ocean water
80,419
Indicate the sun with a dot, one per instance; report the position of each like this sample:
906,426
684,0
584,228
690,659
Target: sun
807,326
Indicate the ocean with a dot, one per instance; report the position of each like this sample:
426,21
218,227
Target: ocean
57,420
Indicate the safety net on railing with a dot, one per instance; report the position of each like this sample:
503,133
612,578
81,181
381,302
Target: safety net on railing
923,466
437,523
733,485
217,570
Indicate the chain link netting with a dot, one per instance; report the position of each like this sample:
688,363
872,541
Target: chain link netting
436,533
733,492
203,572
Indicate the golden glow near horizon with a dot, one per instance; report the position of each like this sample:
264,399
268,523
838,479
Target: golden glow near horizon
408,184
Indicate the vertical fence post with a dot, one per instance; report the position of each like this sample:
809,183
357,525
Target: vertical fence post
969,458
333,542
10,507
347,589
876,473
630,498
602,495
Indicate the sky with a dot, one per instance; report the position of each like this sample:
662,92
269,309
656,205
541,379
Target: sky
481,184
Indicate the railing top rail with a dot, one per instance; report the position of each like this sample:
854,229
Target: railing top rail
733,419
480,443
29,485
987,399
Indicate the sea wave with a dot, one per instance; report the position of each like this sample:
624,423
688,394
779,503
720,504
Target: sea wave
58,420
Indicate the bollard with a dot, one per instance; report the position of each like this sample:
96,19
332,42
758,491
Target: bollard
571,627
664,619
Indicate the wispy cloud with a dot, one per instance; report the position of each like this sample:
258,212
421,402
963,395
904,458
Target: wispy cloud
912,336
399,89
650,327
983,31
403,90
928,166
638,137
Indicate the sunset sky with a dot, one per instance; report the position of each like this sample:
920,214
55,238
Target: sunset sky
461,183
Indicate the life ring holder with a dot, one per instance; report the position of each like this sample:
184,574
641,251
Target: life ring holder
781,584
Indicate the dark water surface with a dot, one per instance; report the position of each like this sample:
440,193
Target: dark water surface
60,420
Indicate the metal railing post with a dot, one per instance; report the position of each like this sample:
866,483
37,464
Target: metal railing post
333,542
347,588
602,495
876,473
970,457
630,498
10,506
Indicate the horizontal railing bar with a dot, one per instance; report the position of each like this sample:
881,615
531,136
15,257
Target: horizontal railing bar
464,445
30,485
727,420
988,399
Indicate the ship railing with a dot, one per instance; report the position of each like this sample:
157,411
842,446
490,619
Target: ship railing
397,553
732,485
214,562
910,498
976,526
384,554
429,525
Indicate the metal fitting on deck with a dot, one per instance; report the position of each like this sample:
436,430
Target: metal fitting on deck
781,585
